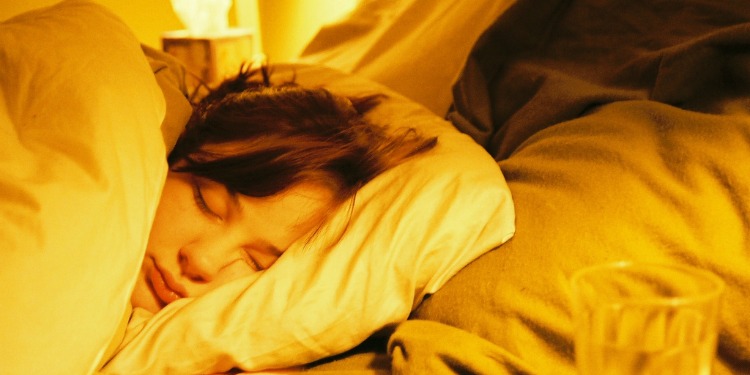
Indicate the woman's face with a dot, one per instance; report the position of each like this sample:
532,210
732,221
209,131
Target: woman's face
203,236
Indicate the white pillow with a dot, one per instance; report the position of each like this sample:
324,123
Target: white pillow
411,229
82,162
414,47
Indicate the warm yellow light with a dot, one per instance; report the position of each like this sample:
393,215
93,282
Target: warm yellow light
203,17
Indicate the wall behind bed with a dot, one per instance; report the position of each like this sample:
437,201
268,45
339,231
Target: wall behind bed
147,18
286,25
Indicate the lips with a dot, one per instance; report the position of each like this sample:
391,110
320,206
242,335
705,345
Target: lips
165,287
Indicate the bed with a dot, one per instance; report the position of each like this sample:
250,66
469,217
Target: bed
557,151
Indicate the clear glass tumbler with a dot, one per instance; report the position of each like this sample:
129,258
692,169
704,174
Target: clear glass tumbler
636,318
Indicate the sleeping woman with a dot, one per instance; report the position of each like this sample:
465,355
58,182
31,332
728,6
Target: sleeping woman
258,167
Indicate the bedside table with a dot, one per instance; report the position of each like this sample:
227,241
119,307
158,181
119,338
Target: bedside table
210,58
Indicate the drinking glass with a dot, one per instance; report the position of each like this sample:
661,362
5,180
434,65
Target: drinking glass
639,318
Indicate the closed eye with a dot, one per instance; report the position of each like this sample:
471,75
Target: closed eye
200,201
261,256
252,261
255,264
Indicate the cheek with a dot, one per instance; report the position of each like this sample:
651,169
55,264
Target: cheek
171,223
230,272
159,232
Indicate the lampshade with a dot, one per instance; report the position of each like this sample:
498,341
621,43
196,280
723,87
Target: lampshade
203,17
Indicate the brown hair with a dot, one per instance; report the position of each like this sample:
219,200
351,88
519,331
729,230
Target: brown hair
259,139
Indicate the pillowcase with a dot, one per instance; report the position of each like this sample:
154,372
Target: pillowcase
83,162
170,75
415,47
409,231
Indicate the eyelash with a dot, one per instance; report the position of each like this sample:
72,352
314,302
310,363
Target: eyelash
254,264
200,201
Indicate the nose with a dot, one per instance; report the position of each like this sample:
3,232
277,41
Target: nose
203,263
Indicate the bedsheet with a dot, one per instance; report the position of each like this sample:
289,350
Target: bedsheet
623,129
